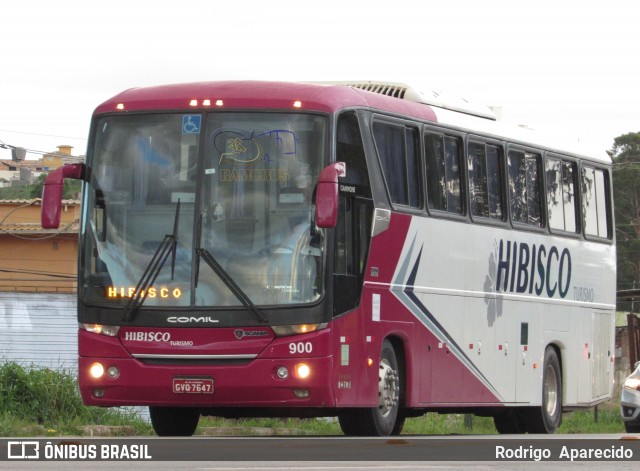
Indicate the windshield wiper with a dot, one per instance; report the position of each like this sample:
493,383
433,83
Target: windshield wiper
167,246
227,280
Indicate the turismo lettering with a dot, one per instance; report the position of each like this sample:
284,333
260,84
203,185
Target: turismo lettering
524,268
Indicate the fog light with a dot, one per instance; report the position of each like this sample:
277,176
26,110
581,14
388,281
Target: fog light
282,372
301,393
96,370
113,372
302,371
98,392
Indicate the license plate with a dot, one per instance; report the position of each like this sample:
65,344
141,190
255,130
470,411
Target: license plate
193,385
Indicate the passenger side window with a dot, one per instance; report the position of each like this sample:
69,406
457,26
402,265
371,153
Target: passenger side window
398,150
561,178
444,158
485,180
350,150
596,206
524,188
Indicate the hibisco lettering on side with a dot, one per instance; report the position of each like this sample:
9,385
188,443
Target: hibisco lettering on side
533,269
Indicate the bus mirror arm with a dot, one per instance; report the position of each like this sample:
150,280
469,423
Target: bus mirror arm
52,193
327,194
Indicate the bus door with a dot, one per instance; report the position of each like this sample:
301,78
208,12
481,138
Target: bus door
350,248
597,356
353,232
351,245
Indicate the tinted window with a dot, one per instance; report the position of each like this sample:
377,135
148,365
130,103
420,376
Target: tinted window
595,202
485,180
443,172
524,188
399,151
561,199
349,149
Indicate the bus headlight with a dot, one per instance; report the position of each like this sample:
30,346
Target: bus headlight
294,329
108,330
96,370
302,371
282,372
113,372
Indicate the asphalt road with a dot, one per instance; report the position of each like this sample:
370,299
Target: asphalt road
337,466
621,452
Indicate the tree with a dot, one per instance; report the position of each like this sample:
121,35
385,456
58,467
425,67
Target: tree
626,194
70,190
36,188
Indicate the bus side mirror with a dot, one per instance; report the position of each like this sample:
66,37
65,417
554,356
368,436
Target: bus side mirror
52,193
327,195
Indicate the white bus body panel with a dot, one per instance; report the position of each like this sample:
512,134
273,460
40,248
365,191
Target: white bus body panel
457,267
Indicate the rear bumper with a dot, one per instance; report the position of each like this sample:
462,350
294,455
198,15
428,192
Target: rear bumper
254,384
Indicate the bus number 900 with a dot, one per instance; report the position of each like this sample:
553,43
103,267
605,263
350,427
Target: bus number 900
300,347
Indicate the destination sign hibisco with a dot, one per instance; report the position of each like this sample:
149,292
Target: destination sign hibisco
162,292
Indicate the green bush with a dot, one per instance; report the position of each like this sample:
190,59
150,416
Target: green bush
36,400
38,395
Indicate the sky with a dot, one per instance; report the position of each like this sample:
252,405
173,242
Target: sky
556,66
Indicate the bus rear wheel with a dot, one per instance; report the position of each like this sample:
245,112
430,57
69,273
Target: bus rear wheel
548,417
174,421
385,419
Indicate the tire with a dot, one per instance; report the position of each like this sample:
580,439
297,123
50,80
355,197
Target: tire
174,421
631,428
548,417
400,420
508,422
385,419
351,423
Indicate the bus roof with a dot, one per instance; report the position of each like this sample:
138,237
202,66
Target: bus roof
331,97
258,95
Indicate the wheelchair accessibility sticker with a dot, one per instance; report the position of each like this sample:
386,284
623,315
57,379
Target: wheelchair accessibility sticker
191,124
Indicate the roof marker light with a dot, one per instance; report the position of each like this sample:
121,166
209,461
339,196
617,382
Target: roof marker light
206,102
193,103
297,104
120,106
219,103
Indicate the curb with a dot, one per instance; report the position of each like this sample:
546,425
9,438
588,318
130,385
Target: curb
129,431
108,431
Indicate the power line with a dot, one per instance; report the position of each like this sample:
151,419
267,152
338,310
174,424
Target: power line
44,135
39,273
30,151
4,145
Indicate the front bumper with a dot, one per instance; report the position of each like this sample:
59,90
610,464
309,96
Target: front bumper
630,405
254,384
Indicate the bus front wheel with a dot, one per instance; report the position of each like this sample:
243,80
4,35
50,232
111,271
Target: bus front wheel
508,422
174,421
385,419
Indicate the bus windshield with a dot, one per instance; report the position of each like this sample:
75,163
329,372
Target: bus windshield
176,203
